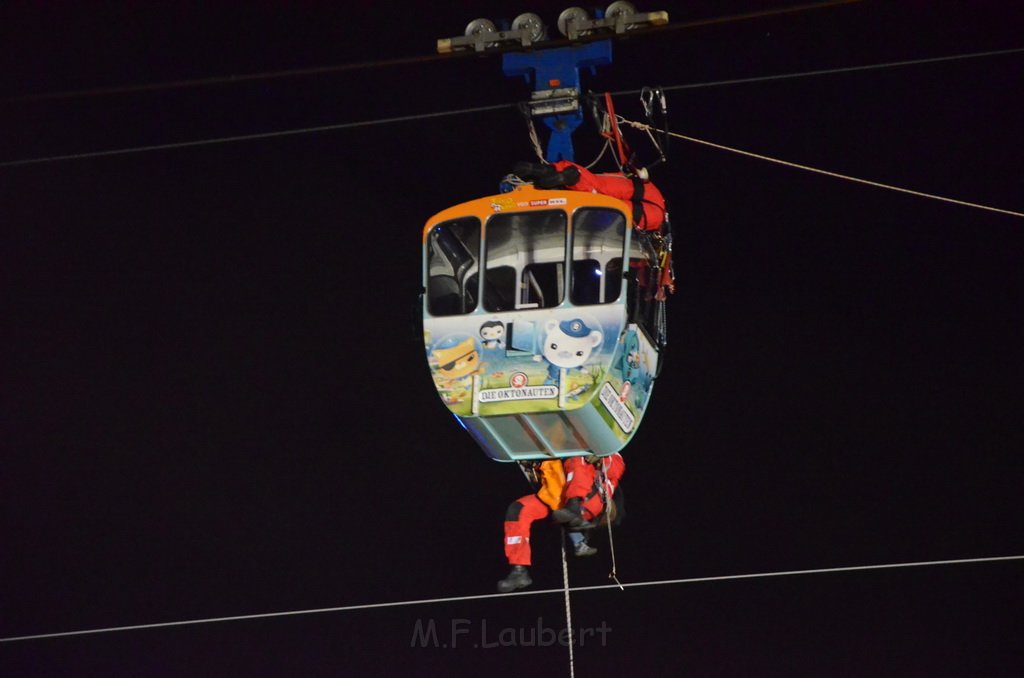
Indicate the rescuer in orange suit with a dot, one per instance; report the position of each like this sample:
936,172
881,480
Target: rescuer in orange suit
648,202
584,499
572,495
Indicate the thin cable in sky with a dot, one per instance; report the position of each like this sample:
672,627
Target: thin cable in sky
834,71
476,109
404,61
485,596
225,79
834,175
253,137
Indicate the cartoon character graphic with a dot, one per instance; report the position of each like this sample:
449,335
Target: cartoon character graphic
567,344
458,360
629,361
492,334
636,372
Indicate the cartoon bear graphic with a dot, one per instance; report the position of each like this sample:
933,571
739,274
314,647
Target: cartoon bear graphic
567,344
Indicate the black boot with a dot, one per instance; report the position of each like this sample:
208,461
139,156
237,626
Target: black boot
518,578
545,176
571,516
528,171
567,177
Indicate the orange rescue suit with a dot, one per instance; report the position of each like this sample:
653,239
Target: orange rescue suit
623,188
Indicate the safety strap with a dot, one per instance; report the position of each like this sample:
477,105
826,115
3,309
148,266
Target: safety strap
638,200
615,135
667,279
598,479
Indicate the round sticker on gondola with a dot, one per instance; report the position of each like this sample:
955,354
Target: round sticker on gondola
517,380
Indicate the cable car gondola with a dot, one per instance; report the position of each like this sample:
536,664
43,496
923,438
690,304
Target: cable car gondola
543,313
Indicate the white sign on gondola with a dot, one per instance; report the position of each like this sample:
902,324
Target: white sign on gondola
497,395
620,413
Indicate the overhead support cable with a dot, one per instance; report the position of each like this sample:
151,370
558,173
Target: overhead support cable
487,596
402,61
252,137
476,109
747,16
222,79
833,71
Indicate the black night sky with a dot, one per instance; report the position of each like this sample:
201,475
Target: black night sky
215,401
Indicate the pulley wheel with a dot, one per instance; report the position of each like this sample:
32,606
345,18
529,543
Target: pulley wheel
574,14
478,26
619,7
532,24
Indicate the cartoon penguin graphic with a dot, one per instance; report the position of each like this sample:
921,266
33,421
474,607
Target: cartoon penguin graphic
492,334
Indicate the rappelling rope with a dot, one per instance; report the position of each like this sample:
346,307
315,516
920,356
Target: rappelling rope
836,175
568,606
604,149
534,139
613,575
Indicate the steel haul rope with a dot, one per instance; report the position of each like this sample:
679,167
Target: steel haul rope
487,596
